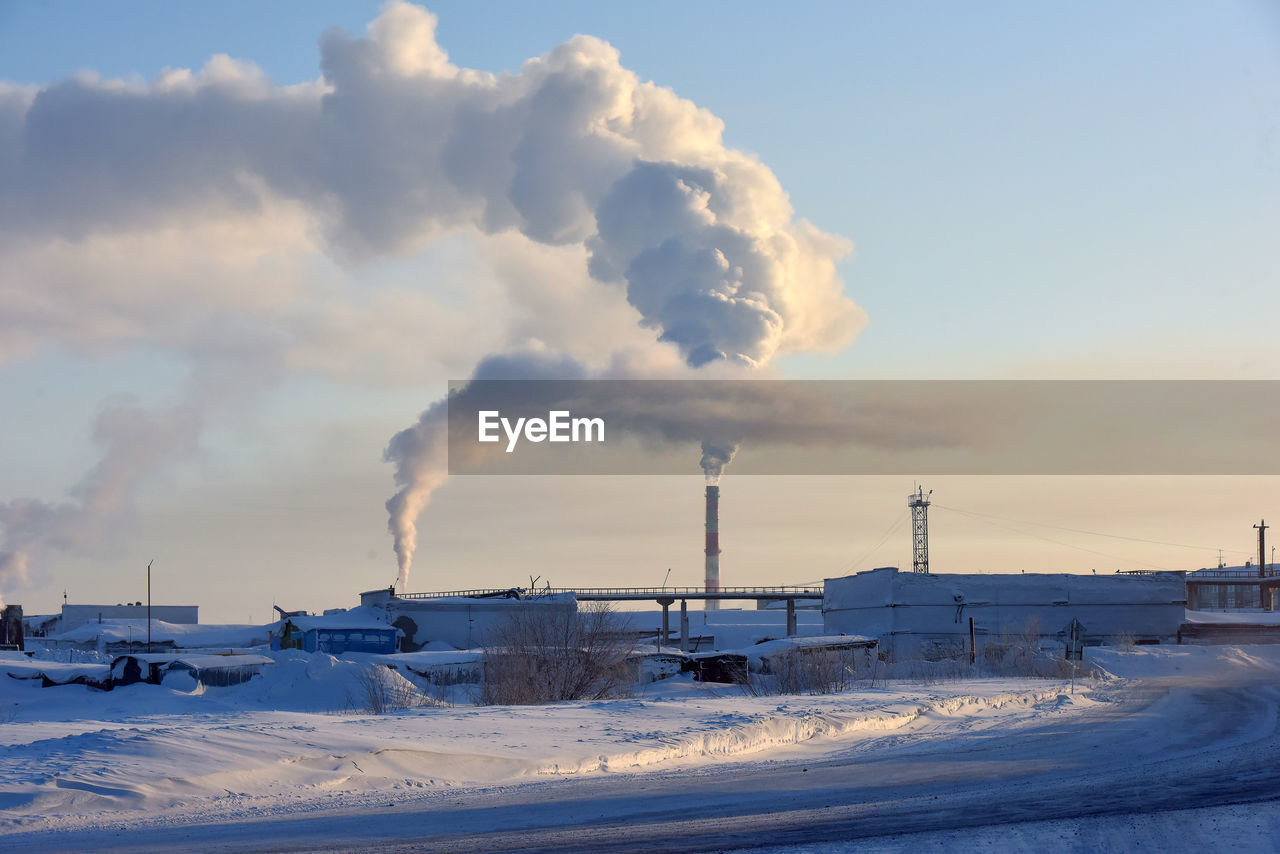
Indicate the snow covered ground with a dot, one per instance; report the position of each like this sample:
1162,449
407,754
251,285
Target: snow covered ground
282,763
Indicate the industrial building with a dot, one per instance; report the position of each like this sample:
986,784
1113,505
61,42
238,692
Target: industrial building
911,612
459,621
75,616
1226,588
358,630
213,671
12,630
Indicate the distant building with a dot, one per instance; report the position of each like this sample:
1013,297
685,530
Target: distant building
923,612
462,622
350,631
209,670
12,630
1229,588
75,616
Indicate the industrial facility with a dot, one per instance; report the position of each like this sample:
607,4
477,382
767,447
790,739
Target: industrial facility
917,612
899,613
74,616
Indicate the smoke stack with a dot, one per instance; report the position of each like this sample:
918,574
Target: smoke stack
713,545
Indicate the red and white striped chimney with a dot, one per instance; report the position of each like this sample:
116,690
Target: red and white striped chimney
713,545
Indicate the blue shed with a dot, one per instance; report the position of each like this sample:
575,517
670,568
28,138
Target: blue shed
335,634
338,640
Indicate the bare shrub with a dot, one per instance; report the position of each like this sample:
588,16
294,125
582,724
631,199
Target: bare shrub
1124,641
1015,653
1020,654
382,690
816,671
935,661
1030,633
546,655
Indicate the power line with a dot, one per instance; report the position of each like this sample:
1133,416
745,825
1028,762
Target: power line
1082,531
1055,542
897,523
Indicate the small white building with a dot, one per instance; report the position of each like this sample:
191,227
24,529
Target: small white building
911,612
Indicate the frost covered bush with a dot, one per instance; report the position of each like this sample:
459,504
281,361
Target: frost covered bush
542,656
825,671
382,690
1020,654
1017,653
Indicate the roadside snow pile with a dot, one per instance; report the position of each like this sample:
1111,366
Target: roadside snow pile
435,667
315,682
1157,661
150,753
738,735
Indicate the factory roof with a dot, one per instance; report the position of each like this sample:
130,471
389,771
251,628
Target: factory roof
356,619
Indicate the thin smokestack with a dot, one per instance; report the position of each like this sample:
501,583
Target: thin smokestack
713,545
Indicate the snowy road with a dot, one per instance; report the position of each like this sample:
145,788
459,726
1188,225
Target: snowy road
1148,746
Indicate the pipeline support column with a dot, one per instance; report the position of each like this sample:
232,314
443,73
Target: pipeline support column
684,625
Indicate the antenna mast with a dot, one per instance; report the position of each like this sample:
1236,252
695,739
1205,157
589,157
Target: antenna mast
918,501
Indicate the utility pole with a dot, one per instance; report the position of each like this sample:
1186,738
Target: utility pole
1262,561
153,560
919,504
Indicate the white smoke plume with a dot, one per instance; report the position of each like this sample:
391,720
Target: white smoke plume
715,456
395,145
135,444
391,148
420,452
420,455
577,149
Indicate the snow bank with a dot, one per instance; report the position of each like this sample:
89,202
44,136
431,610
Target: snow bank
747,734
179,634
1162,661
61,672
306,682
150,752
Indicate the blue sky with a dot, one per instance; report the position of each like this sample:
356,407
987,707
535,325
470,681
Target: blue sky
1083,190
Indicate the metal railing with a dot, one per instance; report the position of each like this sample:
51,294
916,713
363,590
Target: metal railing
1268,572
749,592
634,592
448,594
